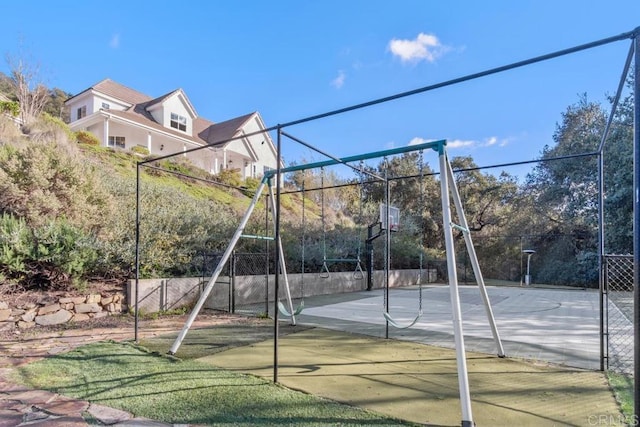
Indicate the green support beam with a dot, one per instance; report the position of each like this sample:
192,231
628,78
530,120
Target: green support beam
434,145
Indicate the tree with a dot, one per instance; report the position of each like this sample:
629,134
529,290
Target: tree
563,196
29,91
54,104
618,182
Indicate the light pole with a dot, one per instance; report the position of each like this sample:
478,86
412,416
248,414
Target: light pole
527,277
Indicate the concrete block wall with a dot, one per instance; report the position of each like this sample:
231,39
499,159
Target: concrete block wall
166,294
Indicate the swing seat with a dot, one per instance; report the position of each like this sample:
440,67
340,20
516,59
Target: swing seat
358,274
283,310
324,272
395,324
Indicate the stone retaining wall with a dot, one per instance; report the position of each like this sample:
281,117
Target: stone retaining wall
61,310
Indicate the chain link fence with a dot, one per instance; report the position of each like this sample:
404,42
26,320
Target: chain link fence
250,284
618,305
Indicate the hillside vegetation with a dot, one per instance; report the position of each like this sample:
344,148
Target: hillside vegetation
67,210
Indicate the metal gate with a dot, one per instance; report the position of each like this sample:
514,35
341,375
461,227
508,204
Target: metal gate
250,283
618,313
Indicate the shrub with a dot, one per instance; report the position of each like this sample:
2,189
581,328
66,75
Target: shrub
174,227
54,255
15,246
10,107
230,177
87,138
41,182
138,149
10,133
49,129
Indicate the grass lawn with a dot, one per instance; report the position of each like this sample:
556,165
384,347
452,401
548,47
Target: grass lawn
162,388
622,386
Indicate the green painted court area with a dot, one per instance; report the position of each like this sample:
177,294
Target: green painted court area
413,381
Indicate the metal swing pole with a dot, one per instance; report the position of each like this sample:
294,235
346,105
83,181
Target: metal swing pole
471,251
324,271
636,223
387,247
283,267
463,379
216,273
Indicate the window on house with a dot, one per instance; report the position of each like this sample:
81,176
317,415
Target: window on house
81,112
105,105
178,122
116,141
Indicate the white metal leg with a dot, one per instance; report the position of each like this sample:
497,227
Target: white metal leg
218,270
474,258
463,379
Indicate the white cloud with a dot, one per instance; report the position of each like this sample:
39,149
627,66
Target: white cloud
417,140
461,143
114,43
425,47
466,143
338,82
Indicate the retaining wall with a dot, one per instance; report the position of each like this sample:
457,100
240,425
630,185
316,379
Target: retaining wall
60,309
166,294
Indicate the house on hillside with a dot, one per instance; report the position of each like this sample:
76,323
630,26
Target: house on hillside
123,118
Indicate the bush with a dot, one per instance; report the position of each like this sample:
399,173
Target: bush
138,149
49,129
40,182
87,138
10,107
16,247
174,227
10,133
55,255
230,177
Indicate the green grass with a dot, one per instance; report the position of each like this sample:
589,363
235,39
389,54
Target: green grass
623,389
131,378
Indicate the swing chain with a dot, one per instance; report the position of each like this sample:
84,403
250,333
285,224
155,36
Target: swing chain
421,213
303,237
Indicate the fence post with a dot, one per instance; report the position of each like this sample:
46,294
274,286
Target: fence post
232,284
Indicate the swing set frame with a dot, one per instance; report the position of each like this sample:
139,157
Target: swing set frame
448,190
446,178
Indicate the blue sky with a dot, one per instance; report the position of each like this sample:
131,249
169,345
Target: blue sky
292,59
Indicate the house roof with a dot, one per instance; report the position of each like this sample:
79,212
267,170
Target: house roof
118,91
204,131
162,98
222,131
124,93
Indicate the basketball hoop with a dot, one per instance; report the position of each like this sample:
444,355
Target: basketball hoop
393,220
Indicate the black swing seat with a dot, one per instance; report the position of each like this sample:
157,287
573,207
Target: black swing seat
358,274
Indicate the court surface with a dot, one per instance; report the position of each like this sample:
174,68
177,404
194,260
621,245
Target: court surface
344,359
553,325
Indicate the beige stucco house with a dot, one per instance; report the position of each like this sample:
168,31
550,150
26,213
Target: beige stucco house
122,118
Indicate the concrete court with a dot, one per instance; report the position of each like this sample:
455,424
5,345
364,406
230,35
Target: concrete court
552,325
